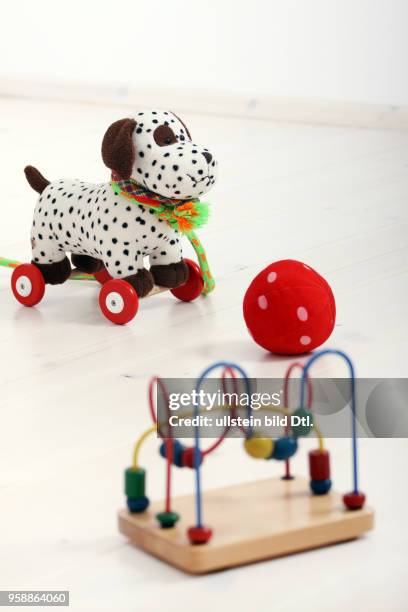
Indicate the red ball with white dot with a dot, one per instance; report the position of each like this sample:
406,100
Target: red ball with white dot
289,308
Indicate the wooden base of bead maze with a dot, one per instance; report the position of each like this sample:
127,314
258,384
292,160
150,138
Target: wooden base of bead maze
251,522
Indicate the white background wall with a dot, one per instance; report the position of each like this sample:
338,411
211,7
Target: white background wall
346,50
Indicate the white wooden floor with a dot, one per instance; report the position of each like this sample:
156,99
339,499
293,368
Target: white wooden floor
73,387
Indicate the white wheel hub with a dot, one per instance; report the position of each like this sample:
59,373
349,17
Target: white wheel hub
114,302
24,286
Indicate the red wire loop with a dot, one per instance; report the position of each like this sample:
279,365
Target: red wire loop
228,373
156,380
168,440
233,376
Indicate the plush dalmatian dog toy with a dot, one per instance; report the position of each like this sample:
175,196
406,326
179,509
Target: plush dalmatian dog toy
154,154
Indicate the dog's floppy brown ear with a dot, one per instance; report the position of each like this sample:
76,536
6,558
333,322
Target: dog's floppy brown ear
118,152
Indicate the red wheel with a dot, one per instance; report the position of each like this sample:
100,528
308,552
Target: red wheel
193,287
27,284
118,301
102,276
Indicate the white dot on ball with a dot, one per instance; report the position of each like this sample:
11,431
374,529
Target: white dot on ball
262,302
271,277
305,340
302,313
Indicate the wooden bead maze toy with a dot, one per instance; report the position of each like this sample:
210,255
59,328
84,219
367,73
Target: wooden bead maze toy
249,522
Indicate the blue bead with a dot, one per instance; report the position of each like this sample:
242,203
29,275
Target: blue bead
178,449
284,448
320,487
137,504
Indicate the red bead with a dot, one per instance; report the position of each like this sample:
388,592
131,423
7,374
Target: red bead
319,465
187,458
118,301
199,535
27,284
194,285
102,276
289,308
354,500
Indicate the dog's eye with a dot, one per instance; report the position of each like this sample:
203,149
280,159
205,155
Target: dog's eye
163,136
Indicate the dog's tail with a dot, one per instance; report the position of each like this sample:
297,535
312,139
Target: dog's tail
35,179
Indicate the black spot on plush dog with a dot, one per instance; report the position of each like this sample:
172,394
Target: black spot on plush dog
101,228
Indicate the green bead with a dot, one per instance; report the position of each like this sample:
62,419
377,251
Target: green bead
302,429
167,519
135,482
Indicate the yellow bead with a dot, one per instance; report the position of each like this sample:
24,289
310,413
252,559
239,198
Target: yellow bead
259,448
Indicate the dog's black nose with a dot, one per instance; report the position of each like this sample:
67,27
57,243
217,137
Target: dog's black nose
208,156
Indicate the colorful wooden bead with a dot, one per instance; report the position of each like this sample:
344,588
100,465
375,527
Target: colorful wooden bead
167,519
188,457
137,504
320,487
284,448
354,500
258,448
199,534
135,482
319,464
305,419
178,449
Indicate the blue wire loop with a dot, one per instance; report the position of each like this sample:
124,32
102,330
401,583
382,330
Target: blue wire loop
347,359
200,380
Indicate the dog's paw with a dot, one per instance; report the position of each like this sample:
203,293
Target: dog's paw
173,275
86,263
142,281
55,273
